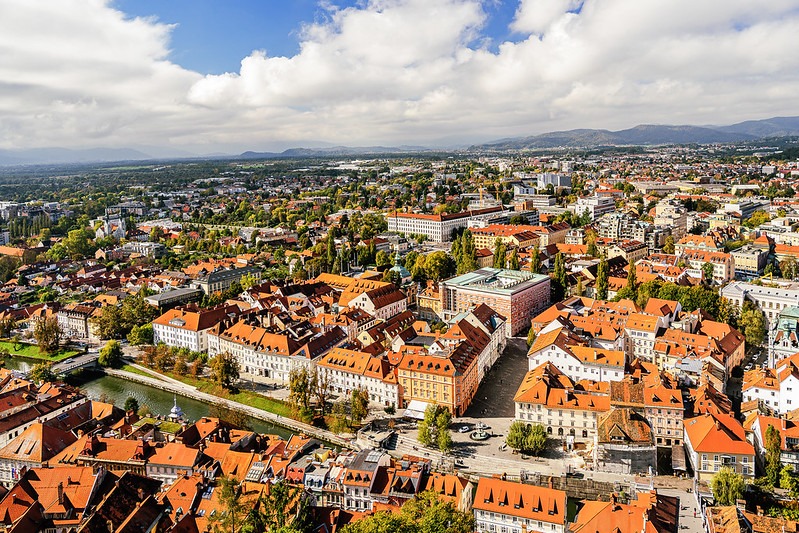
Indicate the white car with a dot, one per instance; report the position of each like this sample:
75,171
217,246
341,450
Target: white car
463,429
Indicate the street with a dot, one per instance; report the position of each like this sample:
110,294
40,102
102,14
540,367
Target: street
494,398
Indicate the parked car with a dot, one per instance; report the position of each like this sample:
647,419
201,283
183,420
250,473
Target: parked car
463,429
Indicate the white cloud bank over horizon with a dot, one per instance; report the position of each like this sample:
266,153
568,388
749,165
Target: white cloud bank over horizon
79,73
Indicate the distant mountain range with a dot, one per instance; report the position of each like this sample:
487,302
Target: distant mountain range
650,134
643,135
334,151
65,156
46,156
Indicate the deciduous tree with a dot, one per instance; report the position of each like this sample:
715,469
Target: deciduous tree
438,265
224,369
47,333
425,513
535,260
788,268
727,485
42,373
140,335
789,481
513,260
602,279
707,272
559,282
132,404
300,392
382,259
753,325
773,445
320,388
282,510
7,326
467,260
359,405
668,246
536,441
234,511
110,354
727,313
526,437
500,254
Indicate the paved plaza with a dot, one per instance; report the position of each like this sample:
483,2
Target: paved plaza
494,398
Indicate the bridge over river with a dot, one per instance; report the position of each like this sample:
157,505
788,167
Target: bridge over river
67,366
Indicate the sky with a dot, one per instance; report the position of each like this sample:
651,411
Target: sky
225,76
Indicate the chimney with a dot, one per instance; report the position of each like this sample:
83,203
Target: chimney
61,493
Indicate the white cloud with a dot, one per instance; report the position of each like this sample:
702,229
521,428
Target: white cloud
78,72
536,16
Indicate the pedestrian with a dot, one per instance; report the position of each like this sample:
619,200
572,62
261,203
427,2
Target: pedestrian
694,513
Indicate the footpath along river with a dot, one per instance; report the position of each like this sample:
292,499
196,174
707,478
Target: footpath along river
116,390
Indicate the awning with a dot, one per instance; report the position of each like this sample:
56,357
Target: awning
415,409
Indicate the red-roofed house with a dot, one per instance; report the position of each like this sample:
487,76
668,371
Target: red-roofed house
714,441
513,507
187,327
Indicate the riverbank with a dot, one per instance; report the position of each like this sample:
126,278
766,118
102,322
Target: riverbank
178,387
246,397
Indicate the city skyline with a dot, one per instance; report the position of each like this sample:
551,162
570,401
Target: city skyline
207,78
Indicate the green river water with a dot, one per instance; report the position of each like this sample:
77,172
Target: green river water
117,390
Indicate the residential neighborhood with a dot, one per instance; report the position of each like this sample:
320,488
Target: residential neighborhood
536,344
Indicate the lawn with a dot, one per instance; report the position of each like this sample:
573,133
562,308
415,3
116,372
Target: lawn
253,399
164,425
31,351
134,370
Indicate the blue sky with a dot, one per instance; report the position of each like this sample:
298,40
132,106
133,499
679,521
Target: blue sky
213,36
190,75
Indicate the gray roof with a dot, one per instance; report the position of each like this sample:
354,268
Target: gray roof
496,280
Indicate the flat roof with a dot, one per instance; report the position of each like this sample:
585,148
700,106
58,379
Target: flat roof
175,293
496,280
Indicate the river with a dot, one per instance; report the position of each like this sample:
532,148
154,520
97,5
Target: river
116,390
